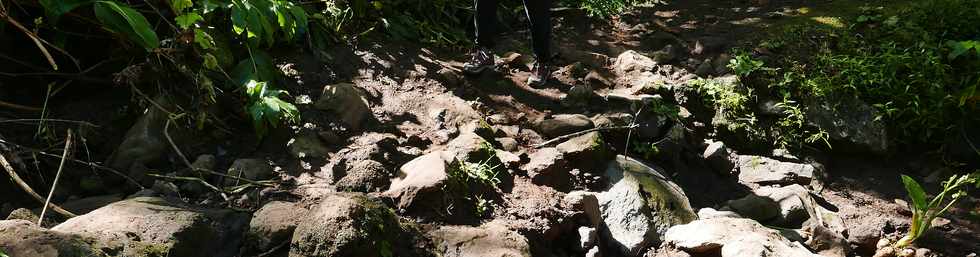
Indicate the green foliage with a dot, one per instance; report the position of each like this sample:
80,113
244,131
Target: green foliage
914,65
743,65
127,21
607,8
2,254
55,8
924,210
265,107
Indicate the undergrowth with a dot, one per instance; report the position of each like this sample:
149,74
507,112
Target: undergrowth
918,66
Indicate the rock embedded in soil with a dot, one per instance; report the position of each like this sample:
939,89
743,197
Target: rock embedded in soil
492,239
142,224
352,224
548,166
587,203
761,170
826,242
640,205
365,176
348,102
788,206
307,145
732,237
272,225
251,169
419,183
144,142
721,159
563,124
23,238
634,69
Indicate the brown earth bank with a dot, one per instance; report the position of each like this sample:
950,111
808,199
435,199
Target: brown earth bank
399,154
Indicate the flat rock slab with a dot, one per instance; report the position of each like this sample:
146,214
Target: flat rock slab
490,240
23,238
732,237
761,170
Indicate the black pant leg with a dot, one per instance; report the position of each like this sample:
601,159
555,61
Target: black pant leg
539,14
486,22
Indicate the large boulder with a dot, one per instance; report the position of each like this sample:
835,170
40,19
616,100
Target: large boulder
489,240
23,238
787,206
137,225
759,170
640,205
351,224
365,176
348,102
732,237
850,122
272,225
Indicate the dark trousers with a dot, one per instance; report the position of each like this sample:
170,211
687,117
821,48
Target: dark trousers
538,13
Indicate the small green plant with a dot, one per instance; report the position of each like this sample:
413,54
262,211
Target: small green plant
924,212
482,172
3,254
743,65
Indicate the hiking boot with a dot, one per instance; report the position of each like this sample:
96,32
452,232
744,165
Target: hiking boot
540,74
481,59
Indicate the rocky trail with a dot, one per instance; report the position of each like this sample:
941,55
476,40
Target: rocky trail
399,154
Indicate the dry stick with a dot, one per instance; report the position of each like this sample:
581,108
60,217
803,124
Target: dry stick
90,164
19,107
52,120
31,35
580,133
23,185
199,180
166,133
61,166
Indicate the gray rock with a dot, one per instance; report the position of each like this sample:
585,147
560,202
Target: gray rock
826,242
850,121
365,176
564,124
23,238
548,167
251,169
634,69
489,240
348,102
470,147
761,170
720,158
640,205
419,183
351,224
24,214
710,213
272,225
139,224
578,95
205,162
732,237
788,206
307,145
586,152
705,69
507,144
143,143
585,202
771,108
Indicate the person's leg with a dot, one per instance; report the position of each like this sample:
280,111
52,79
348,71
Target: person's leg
486,28
486,22
539,14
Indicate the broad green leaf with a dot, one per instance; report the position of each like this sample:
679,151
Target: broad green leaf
259,68
187,20
916,193
124,20
208,6
55,8
203,39
179,5
210,62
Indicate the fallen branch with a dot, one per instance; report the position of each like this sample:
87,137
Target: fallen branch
199,180
57,176
19,107
90,164
51,120
583,132
23,185
35,38
187,162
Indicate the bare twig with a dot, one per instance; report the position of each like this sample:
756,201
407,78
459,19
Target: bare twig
583,132
19,107
83,123
199,180
90,164
57,176
183,158
35,38
23,185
